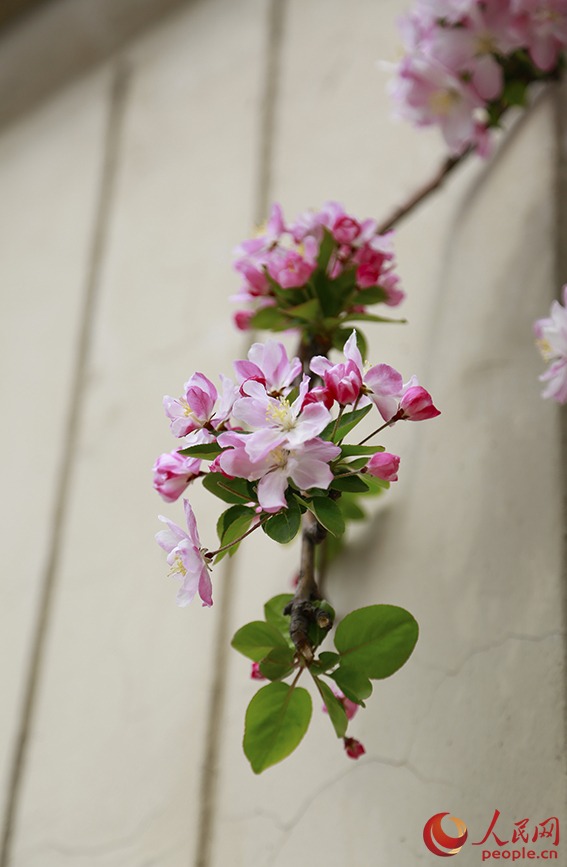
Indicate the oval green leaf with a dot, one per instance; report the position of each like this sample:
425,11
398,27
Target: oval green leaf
273,612
276,720
376,640
255,640
206,451
372,295
334,707
351,484
284,526
229,490
328,514
354,684
230,516
278,663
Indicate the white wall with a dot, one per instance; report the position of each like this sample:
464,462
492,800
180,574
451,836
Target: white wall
132,749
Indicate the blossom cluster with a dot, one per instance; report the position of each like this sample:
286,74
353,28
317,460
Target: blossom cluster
466,61
551,334
278,267
287,448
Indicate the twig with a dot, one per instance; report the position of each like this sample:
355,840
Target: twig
302,612
210,554
401,212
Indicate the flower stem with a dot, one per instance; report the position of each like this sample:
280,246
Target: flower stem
341,410
210,554
388,424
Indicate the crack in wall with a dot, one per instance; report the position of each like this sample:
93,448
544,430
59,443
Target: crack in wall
116,110
98,849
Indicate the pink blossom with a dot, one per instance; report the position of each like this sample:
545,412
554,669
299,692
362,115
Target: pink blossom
172,473
427,93
266,237
256,674
289,269
185,556
280,423
545,29
307,465
353,748
197,409
416,404
268,364
551,336
342,381
381,384
384,466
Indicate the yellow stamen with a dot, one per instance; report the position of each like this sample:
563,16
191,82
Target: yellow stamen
546,349
442,101
178,568
485,43
280,412
187,411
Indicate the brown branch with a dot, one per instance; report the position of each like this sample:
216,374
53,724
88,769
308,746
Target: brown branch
302,612
401,212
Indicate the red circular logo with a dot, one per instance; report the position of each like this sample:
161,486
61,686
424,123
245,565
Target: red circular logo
435,837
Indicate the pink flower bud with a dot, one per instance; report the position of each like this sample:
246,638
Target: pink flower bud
256,674
367,275
172,473
344,382
384,466
242,319
354,749
345,230
416,405
319,394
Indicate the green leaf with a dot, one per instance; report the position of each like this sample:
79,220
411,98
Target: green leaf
370,317
255,640
335,708
229,517
328,658
229,490
376,640
352,484
349,451
346,424
375,486
308,311
354,684
278,663
284,526
328,514
233,532
342,287
515,92
358,464
326,248
273,612
321,285
276,720
270,319
207,451
372,295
